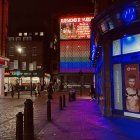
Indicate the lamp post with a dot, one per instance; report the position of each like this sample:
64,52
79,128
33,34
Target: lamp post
31,84
19,50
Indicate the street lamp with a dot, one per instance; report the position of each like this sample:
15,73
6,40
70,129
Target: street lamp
19,50
31,69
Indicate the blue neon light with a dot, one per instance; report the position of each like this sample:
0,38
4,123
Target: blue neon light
129,14
93,48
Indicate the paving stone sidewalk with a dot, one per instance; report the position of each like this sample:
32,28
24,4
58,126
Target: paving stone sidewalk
82,120
8,109
79,120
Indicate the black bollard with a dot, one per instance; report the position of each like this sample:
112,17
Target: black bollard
69,97
19,126
60,103
74,96
49,110
28,120
64,101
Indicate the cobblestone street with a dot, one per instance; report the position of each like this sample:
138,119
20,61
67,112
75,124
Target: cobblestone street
9,108
79,120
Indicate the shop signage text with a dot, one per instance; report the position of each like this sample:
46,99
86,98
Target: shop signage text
17,73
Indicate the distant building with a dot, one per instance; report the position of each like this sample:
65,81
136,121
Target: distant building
27,66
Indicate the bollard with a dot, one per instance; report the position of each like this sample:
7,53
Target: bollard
48,110
74,96
69,97
28,120
64,101
19,126
60,103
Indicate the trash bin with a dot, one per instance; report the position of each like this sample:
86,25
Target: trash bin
72,95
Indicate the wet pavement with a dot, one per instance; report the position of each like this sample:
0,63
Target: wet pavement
79,120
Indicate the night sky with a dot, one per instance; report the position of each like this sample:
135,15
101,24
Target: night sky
34,14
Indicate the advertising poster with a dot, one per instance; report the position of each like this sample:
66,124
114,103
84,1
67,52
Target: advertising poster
132,87
75,28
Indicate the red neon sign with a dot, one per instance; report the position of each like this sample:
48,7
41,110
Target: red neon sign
75,28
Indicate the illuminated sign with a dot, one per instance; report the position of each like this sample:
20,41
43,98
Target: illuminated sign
74,56
18,73
75,28
129,14
130,44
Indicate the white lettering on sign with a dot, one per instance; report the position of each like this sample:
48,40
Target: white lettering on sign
68,20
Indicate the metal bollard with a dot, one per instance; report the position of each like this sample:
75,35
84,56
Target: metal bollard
19,126
49,110
69,97
64,101
60,103
74,96
28,120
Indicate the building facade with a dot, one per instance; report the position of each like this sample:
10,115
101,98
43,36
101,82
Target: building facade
115,55
26,67
75,67
3,39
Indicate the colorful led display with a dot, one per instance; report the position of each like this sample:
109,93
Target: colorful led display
75,28
74,56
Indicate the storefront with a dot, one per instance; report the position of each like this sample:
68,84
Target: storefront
3,65
126,80
117,59
23,78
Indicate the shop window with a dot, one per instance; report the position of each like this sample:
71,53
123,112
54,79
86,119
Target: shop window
117,76
116,47
130,44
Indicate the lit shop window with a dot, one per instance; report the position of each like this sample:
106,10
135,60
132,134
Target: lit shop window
116,47
130,44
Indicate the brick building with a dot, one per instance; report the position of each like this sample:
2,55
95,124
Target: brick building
26,67
3,38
